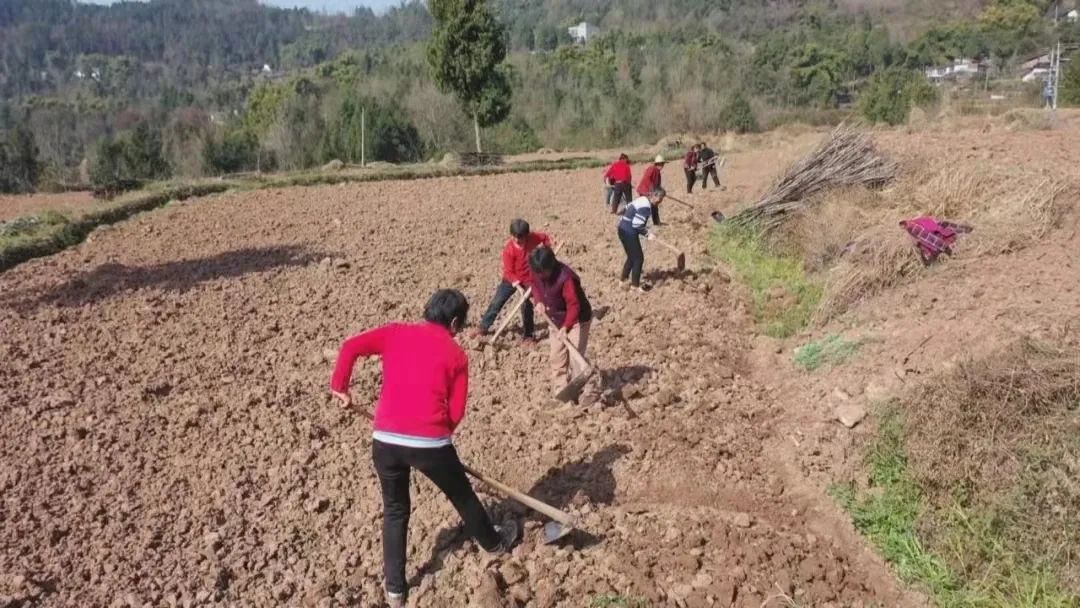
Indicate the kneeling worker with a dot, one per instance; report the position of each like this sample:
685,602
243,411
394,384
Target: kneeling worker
422,401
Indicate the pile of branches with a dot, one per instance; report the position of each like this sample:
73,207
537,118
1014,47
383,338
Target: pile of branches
847,157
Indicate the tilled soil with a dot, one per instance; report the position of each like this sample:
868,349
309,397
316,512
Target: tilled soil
168,439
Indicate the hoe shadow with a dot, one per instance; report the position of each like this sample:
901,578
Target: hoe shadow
591,478
600,312
109,280
619,377
656,276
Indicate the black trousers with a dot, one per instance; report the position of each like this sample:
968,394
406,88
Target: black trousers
656,215
503,293
393,463
705,173
620,193
635,257
691,177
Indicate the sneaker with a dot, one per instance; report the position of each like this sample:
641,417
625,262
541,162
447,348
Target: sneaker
396,600
643,288
528,341
509,533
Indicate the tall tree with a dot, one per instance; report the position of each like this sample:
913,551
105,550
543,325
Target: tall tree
466,52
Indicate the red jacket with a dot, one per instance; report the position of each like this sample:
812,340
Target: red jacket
515,258
618,172
425,377
650,181
691,160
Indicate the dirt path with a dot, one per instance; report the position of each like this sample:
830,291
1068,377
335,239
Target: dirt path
168,439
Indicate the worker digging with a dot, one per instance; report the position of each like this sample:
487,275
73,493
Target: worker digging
558,292
421,403
617,179
515,273
632,226
651,182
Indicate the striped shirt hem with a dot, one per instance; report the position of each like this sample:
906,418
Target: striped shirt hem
411,441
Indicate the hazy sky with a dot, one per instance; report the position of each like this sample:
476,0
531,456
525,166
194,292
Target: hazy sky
318,5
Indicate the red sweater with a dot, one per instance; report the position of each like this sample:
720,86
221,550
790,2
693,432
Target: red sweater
515,258
425,377
618,172
650,181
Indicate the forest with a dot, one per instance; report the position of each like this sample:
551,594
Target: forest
183,88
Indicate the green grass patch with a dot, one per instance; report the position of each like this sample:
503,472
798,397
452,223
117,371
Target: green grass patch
830,350
970,564
618,601
784,297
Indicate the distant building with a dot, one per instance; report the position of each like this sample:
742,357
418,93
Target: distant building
1073,16
583,31
959,69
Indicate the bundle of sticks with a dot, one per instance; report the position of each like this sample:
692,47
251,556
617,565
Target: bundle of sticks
847,157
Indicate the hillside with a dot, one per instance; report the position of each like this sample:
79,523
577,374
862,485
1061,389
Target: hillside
204,87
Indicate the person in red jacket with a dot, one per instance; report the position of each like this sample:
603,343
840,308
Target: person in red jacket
690,164
515,274
618,178
650,182
422,402
557,288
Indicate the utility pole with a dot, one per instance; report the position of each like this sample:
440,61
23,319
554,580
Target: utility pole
363,136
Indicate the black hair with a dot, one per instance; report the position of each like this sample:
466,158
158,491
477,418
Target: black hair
519,228
658,191
624,157
543,260
446,307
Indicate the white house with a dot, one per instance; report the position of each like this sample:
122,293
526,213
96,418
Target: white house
1073,16
959,69
583,31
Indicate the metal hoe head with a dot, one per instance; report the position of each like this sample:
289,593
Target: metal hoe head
573,389
555,531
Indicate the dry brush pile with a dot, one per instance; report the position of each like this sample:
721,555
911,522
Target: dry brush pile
839,209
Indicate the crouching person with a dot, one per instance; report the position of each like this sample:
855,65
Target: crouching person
515,274
422,401
557,290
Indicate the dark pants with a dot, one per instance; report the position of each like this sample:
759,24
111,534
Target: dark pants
393,464
503,293
635,257
656,215
620,194
691,177
705,173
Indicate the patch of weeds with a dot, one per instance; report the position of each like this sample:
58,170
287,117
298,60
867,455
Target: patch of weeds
618,601
830,350
971,564
784,297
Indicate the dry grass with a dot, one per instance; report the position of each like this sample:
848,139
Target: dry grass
1000,436
1010,208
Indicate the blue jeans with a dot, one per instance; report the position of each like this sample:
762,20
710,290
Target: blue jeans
503,293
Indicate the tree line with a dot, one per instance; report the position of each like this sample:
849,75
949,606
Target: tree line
183,102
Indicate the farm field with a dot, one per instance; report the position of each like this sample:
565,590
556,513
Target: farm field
169,439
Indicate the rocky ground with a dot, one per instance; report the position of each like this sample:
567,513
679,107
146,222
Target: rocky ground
168,439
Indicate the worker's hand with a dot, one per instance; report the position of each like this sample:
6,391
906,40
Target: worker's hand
516,284
345,399
539,308
650,237
562,333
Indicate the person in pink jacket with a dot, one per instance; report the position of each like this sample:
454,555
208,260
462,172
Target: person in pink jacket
421,403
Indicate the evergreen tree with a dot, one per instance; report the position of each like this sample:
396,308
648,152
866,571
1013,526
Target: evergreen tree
465,54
